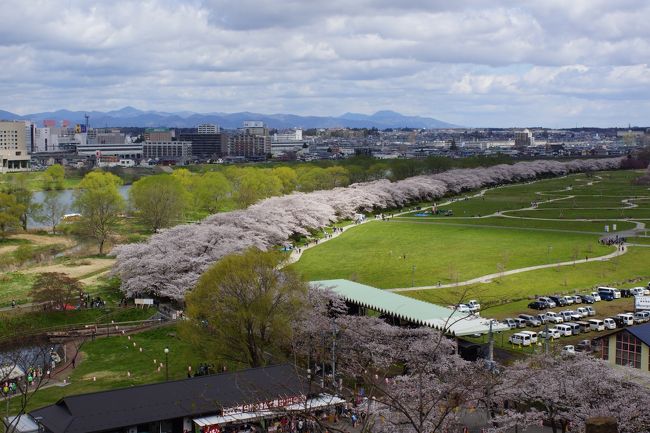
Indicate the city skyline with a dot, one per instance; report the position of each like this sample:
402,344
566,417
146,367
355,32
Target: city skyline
497,63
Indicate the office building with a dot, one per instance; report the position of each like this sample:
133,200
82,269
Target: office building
206,146
207,128
524,139
13,147
167,151
158,134
250,142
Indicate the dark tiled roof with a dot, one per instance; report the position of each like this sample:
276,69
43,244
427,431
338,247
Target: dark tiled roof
190,397
642,332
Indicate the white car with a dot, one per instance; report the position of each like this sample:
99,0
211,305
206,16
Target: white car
582,311
569,350
463,308
552,334
474,305
637,291
596,296
553,317
569,300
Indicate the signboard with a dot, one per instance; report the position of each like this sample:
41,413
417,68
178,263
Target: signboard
143,301
642,302
278,403
211,429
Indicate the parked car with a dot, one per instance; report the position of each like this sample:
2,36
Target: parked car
596,325
565,330
639,318
530,320
596,296
577,299
587,299
538,305
510,322
569,300
552,334
554,317
569,315
583,346
533,336
637,291
609,323
590,310
521,323
474,305
568,350
626,293
625,319
520,339
542,318
582,311
462,308
551,303
559,301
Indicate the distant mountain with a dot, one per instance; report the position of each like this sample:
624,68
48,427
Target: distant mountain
132,117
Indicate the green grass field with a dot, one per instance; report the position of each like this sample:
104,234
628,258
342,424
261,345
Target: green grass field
373,253
582,226
448,249
109,360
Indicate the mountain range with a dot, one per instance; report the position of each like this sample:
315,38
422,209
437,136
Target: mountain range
132,117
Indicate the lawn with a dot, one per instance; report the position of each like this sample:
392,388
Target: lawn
583,226
510,295
109,360
15,286
373,253
592,213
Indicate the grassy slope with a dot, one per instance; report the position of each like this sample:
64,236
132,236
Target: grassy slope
109,359
372,253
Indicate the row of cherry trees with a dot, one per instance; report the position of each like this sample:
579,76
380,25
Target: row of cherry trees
171,262
416,383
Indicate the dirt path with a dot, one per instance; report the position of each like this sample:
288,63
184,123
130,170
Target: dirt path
85,267
45,240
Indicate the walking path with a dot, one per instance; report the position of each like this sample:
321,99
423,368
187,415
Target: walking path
297,253
488,278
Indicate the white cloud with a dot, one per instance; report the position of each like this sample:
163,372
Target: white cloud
474,63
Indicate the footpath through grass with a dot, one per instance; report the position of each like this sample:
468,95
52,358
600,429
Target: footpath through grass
511,294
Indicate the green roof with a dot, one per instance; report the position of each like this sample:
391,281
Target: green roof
413,310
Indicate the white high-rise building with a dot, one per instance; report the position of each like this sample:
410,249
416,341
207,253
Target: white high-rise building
13,146
207,128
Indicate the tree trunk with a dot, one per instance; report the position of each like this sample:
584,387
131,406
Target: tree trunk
101,247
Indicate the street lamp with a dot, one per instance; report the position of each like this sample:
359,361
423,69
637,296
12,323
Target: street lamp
166,363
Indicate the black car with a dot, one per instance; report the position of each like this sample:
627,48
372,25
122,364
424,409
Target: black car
538,305
559,301
587,299
625,293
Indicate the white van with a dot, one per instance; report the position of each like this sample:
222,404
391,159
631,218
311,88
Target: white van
597,324
520,339
565,330
627,318
575,328
614,292
553,317
609,323
533,336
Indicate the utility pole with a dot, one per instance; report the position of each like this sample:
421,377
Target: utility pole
491,344
334,353
546,336
413,276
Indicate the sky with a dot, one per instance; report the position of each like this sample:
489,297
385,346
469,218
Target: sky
552,63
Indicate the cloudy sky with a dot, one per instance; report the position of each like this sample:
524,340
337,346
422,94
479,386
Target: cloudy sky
555,63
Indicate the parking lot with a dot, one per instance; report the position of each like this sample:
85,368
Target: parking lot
601,310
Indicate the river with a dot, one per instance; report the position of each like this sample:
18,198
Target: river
67,197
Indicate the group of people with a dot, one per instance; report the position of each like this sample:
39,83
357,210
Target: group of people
86,301
613,240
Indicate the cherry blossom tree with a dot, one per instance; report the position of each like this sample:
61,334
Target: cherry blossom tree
565,391
171,261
